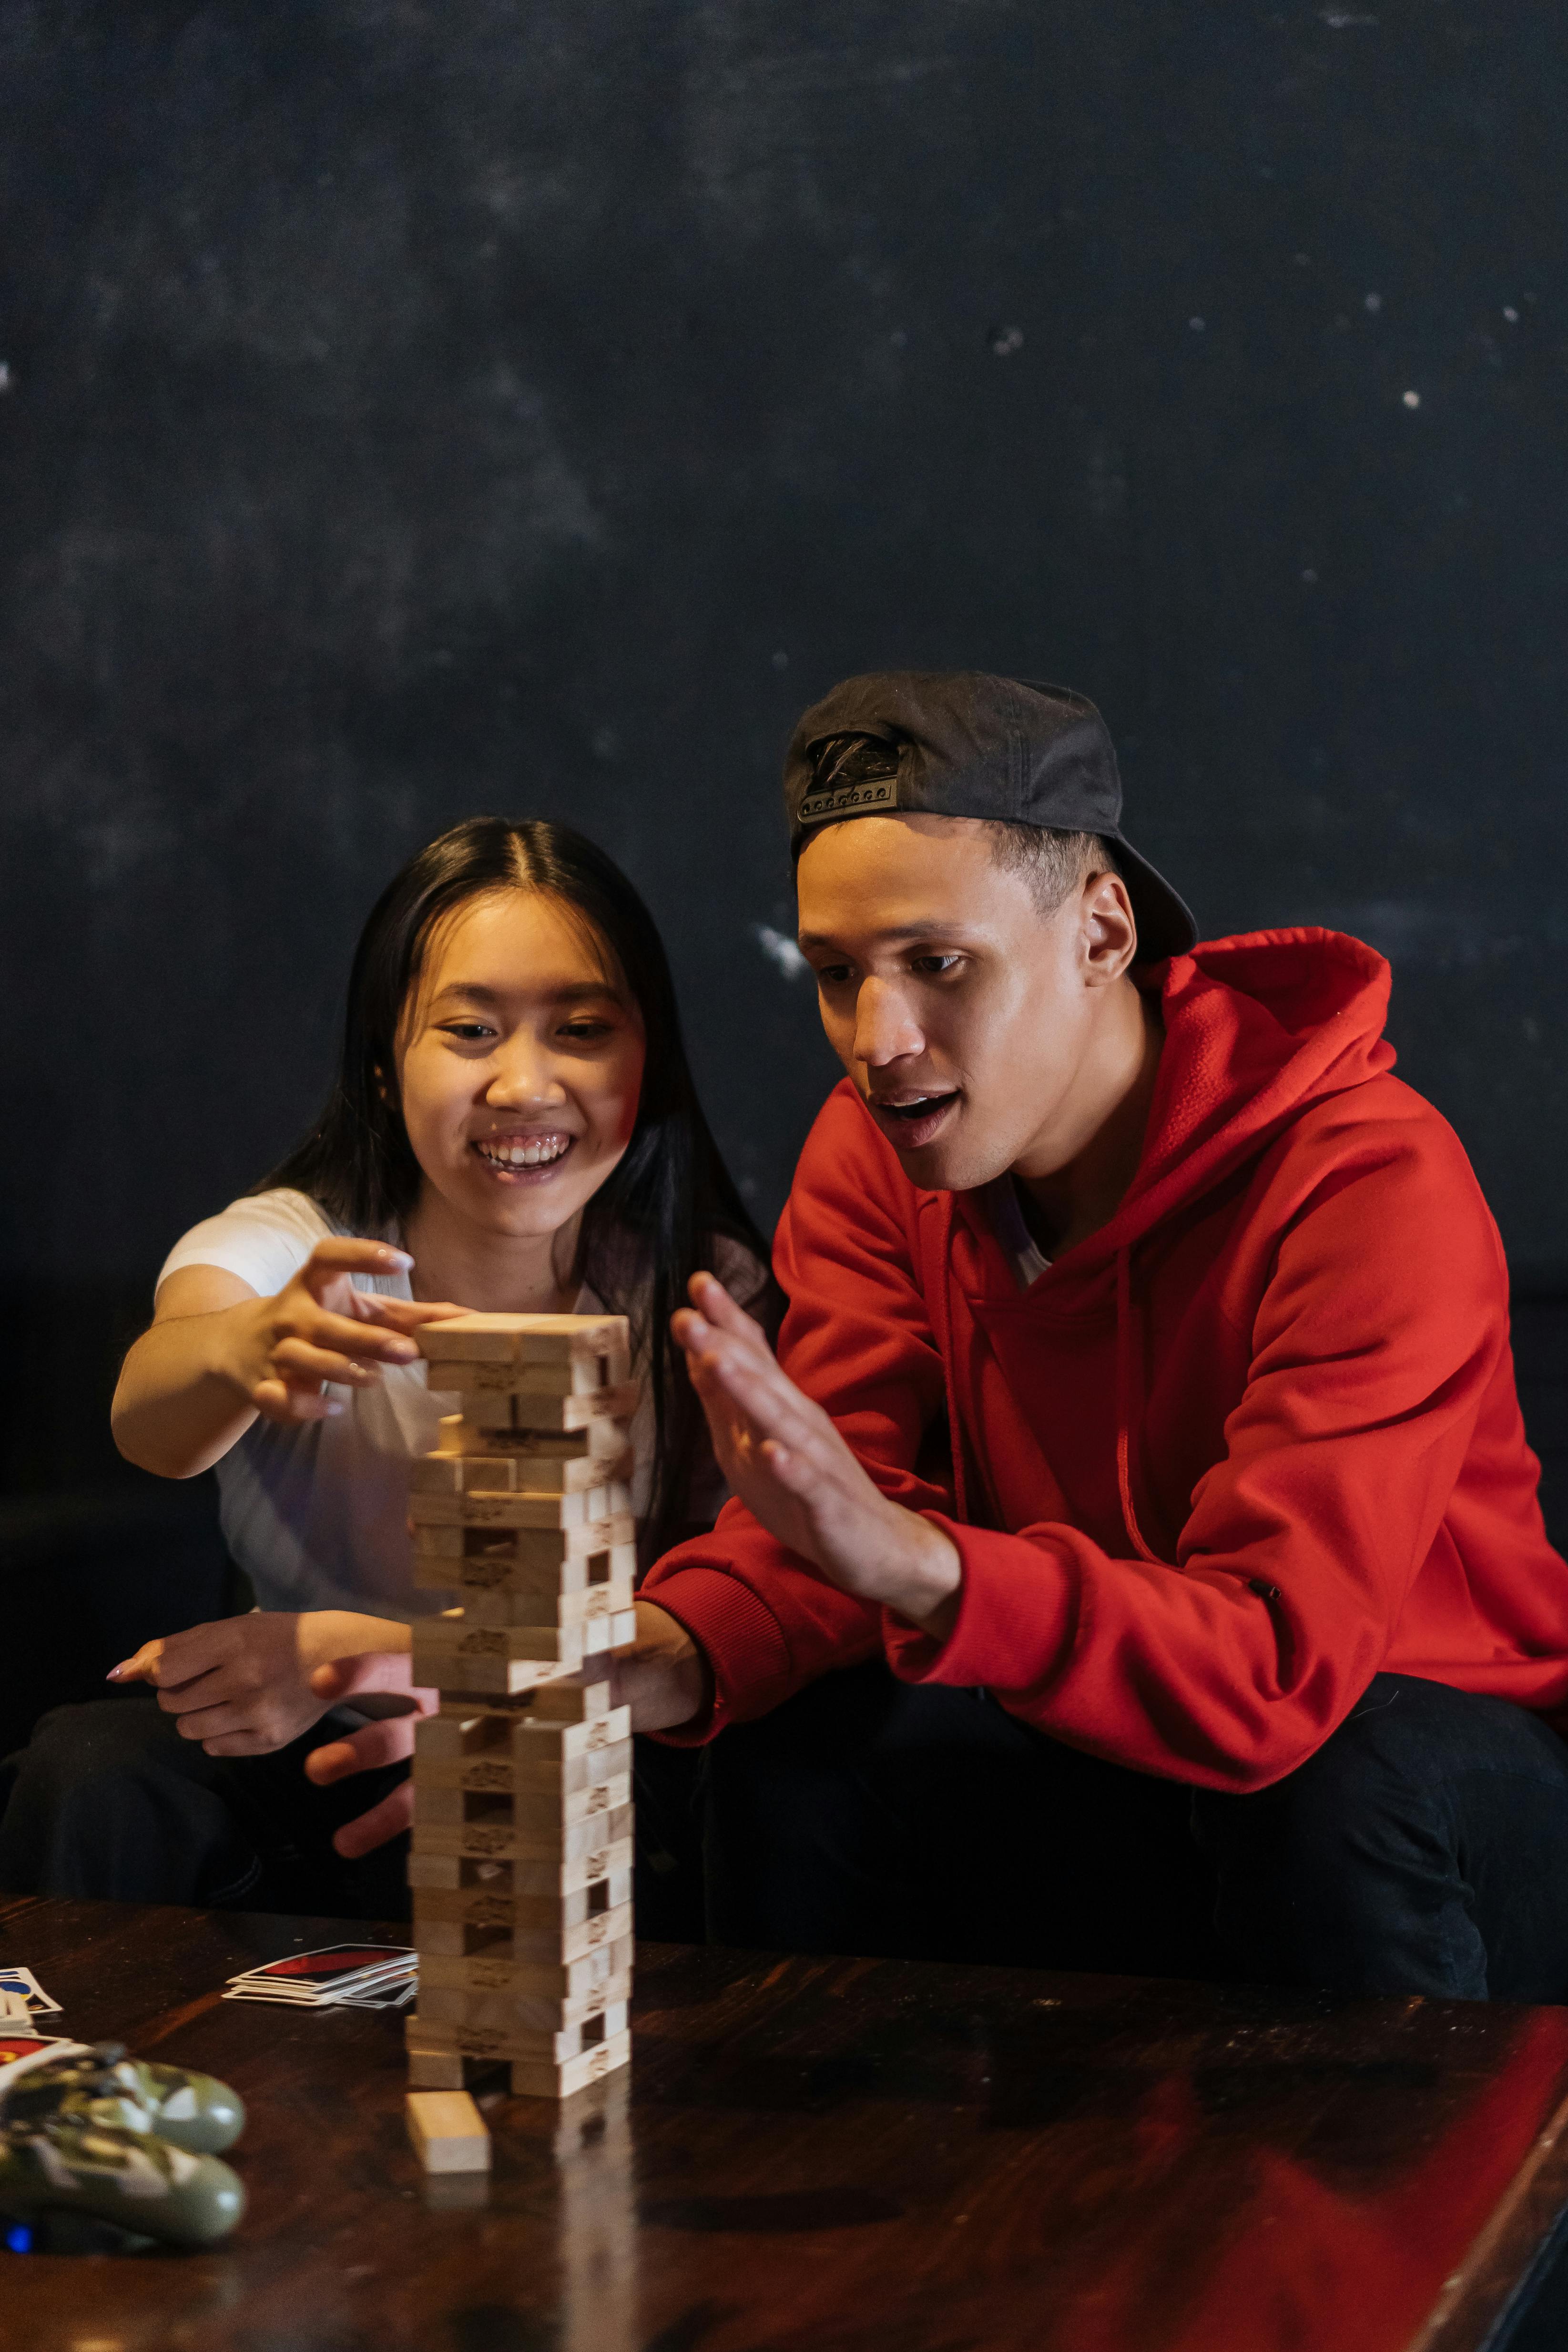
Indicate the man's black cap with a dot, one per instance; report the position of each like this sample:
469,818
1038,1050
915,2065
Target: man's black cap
962,743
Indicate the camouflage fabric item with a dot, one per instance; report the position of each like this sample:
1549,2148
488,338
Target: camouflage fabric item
101,2083
88,2132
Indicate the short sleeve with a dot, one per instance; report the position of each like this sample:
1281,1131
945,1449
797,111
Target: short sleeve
264,1240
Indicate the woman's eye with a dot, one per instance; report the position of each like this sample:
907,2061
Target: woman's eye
467,1033
586,1032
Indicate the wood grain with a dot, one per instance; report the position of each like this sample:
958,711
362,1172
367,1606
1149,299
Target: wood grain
835,2156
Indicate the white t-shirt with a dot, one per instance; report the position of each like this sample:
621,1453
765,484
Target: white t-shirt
316,1513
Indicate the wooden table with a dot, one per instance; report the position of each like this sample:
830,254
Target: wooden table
833,2156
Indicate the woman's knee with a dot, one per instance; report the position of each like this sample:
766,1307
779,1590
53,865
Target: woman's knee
77,1752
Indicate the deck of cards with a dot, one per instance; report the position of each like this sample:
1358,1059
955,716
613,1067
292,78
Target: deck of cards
337,1976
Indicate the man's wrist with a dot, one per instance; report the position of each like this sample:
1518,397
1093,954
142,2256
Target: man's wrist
927,1577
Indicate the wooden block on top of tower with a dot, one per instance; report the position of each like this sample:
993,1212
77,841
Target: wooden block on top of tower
521,1339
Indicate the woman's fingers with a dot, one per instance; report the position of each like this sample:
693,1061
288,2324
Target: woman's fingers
274,1401
349,1253
354,1336
297,1360
402,1314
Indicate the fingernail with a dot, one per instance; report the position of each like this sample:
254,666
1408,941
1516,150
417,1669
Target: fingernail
333,1412
395,1257
115,1672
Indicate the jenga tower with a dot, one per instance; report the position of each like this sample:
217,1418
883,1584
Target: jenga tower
521,1860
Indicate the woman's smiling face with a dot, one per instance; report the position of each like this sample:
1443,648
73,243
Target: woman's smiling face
519,1062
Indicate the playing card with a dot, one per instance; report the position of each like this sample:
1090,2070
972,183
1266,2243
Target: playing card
312,1974
25,2045
23,1981
337,1976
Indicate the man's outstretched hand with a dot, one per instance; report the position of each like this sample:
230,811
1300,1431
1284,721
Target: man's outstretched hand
787,1461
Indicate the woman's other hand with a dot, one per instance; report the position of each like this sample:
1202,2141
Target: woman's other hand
242,1685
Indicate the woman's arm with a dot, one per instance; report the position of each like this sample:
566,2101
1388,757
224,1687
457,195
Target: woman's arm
216,1355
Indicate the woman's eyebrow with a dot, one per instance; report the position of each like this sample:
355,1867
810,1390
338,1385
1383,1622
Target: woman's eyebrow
473,992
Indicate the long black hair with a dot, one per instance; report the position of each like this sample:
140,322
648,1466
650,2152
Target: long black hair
653,1222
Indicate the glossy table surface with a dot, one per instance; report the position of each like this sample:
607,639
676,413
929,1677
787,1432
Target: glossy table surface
838,2155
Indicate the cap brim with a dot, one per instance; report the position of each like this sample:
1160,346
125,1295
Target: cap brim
1165,925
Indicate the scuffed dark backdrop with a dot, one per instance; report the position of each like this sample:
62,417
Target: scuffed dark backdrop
415,409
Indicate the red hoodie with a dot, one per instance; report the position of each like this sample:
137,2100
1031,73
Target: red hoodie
1253,1442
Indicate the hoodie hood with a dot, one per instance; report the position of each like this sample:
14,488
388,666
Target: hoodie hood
1256,1028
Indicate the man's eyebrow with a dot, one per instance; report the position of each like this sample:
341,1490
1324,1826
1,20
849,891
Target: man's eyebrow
929,930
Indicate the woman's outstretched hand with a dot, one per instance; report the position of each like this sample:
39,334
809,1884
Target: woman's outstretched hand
785,1459
320,1327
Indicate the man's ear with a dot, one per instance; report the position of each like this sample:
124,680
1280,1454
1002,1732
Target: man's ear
1109,929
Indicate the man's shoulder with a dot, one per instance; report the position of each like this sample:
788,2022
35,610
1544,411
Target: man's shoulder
1383,1131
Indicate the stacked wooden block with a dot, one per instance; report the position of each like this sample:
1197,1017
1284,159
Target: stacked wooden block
522,1860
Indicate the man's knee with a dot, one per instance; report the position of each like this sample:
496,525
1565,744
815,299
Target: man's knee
1357,1870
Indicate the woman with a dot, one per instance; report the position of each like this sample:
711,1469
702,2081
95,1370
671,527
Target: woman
513,1129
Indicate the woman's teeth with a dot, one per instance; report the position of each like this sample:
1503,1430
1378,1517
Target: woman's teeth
525,1155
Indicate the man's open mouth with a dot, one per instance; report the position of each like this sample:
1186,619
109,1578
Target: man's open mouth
510,1153
915,1119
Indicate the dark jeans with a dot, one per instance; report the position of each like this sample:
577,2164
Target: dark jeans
107,1799
1424,1849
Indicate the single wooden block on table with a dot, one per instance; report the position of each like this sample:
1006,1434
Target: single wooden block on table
448,2131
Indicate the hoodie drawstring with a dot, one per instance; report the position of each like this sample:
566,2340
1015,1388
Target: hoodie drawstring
1129,1399
937,1293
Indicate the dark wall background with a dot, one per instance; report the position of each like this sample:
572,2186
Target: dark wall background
414,409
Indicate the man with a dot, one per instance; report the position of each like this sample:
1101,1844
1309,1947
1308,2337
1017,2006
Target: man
1144,1419
1136,1561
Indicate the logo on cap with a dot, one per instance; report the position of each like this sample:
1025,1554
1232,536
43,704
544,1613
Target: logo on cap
882,792
850,773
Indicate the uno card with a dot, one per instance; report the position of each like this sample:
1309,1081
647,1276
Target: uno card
335,1972
27,2045
23,1981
